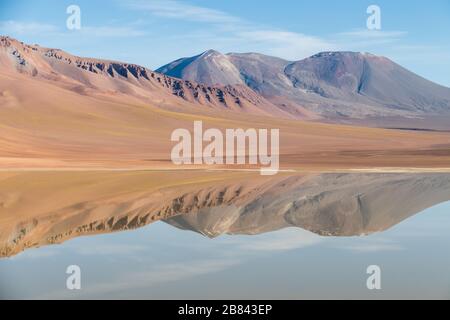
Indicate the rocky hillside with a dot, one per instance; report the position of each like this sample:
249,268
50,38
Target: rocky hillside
86,76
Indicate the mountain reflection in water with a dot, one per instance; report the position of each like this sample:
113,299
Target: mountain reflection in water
43,208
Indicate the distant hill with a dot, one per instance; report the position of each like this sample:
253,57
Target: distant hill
328,85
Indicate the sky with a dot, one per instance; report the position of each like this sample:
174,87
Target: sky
151,33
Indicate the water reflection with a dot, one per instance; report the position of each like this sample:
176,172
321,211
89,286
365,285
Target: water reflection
42,208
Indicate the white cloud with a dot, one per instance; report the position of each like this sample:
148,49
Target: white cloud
108,31
364,38
373,34
11,27
371,245
18,28
289,239
109,249
290,45
145,279
179,10
35,254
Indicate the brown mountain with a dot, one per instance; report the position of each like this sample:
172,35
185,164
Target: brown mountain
85,75
330,85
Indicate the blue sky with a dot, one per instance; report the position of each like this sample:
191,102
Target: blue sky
415,34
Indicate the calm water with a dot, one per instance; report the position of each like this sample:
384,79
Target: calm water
167,260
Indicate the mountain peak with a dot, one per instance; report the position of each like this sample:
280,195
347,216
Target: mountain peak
210,67
210,52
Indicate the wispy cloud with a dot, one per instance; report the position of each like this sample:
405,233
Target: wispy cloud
109,31
371,245
26,28
289,239
145,279
20,28
364,38
373,34
291,45
179,10
109,249
36,254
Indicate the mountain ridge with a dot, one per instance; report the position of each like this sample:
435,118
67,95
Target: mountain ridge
338,87
223,203
81,74
331,85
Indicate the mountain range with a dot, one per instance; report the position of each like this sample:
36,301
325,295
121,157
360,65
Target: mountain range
328,85
59,206
326,204
85,75
58,110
